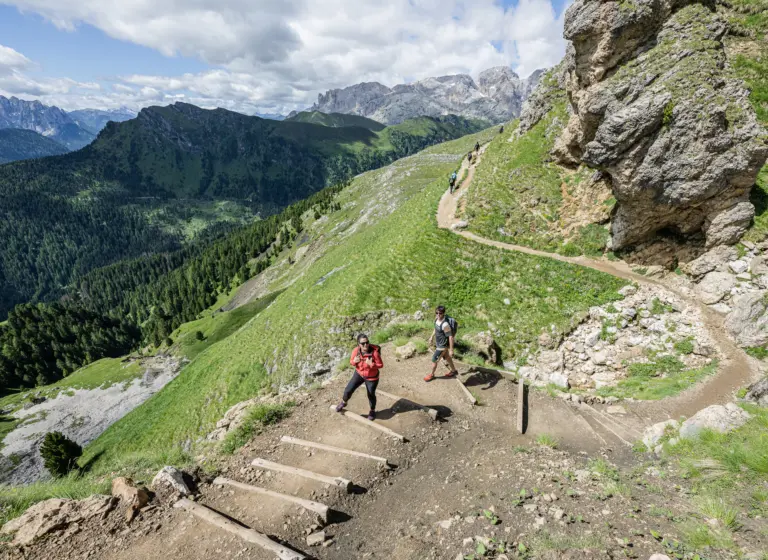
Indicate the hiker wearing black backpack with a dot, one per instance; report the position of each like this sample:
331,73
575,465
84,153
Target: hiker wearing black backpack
444,337
452,181
477,146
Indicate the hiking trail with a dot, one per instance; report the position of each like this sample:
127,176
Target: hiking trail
414,483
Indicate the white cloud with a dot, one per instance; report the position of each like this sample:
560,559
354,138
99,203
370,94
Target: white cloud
277,56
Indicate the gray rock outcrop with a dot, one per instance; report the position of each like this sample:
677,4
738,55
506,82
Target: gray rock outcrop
655,107
55,515
497,96
748,322
717,417
758,392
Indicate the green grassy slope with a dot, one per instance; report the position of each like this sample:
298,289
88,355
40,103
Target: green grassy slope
337,120
517,193
749,61
382,251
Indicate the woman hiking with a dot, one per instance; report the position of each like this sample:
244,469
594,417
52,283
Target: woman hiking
366,359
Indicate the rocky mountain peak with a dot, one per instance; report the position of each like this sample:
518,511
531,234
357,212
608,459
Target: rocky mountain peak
52,122
655,106
497,96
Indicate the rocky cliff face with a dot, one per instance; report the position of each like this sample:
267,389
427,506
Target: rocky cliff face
497,96
51,122
654,106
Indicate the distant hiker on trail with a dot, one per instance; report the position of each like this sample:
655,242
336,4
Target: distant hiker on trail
443,336
452,181
469,156
366,359
501,130
477,146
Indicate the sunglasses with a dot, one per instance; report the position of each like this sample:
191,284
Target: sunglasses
364,343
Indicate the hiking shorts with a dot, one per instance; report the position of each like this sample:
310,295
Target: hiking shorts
438,354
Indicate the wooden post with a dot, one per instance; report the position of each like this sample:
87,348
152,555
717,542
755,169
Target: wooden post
331,480
248,535
520,404
466,391
374,425
332,449
320,509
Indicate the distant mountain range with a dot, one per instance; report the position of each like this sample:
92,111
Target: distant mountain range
51,122
94,120
17,144
497,96
73,130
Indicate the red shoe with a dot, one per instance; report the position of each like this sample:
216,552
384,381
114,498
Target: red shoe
452,374
429,377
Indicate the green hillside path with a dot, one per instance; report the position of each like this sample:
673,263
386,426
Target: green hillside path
736,368
432,451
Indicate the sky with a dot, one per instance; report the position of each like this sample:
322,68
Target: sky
261,56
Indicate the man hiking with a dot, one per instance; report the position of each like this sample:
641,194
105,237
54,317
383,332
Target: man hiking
443,336
452,181
366,359
477,146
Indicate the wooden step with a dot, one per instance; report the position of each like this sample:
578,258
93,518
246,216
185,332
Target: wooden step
245,533
374,425
321,510
332,449
466,391
330,480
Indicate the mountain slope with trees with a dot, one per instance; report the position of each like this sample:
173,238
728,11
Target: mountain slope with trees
18,144
124,195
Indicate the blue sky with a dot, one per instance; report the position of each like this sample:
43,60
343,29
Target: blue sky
262,56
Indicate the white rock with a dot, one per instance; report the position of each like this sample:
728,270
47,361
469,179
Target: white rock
722,308
715,286
636,340
173,477
744,276
628,291
719,418
406,351
738,266
507,301
629,313
748,323
418,316
460,225
592,338
559,379
600,358
653,434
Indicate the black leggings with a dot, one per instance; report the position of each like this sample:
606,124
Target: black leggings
370,387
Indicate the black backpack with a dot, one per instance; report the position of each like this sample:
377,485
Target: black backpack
454,324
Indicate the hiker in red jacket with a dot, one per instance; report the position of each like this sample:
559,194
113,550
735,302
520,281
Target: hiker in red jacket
366,359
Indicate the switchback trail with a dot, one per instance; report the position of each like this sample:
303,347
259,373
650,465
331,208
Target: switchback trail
736,368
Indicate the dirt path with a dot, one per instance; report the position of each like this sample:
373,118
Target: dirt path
736,368
431,466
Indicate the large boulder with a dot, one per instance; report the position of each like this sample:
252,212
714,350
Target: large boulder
407,351
748,322
758,392
654,434
717,417
55,515
654,107
714,259
173,479
715,286
484,344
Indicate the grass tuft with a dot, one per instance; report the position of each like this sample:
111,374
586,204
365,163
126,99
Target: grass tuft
257,418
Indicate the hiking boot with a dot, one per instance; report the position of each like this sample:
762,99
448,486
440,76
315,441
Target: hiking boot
372,415
340,406
452,374
429,377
